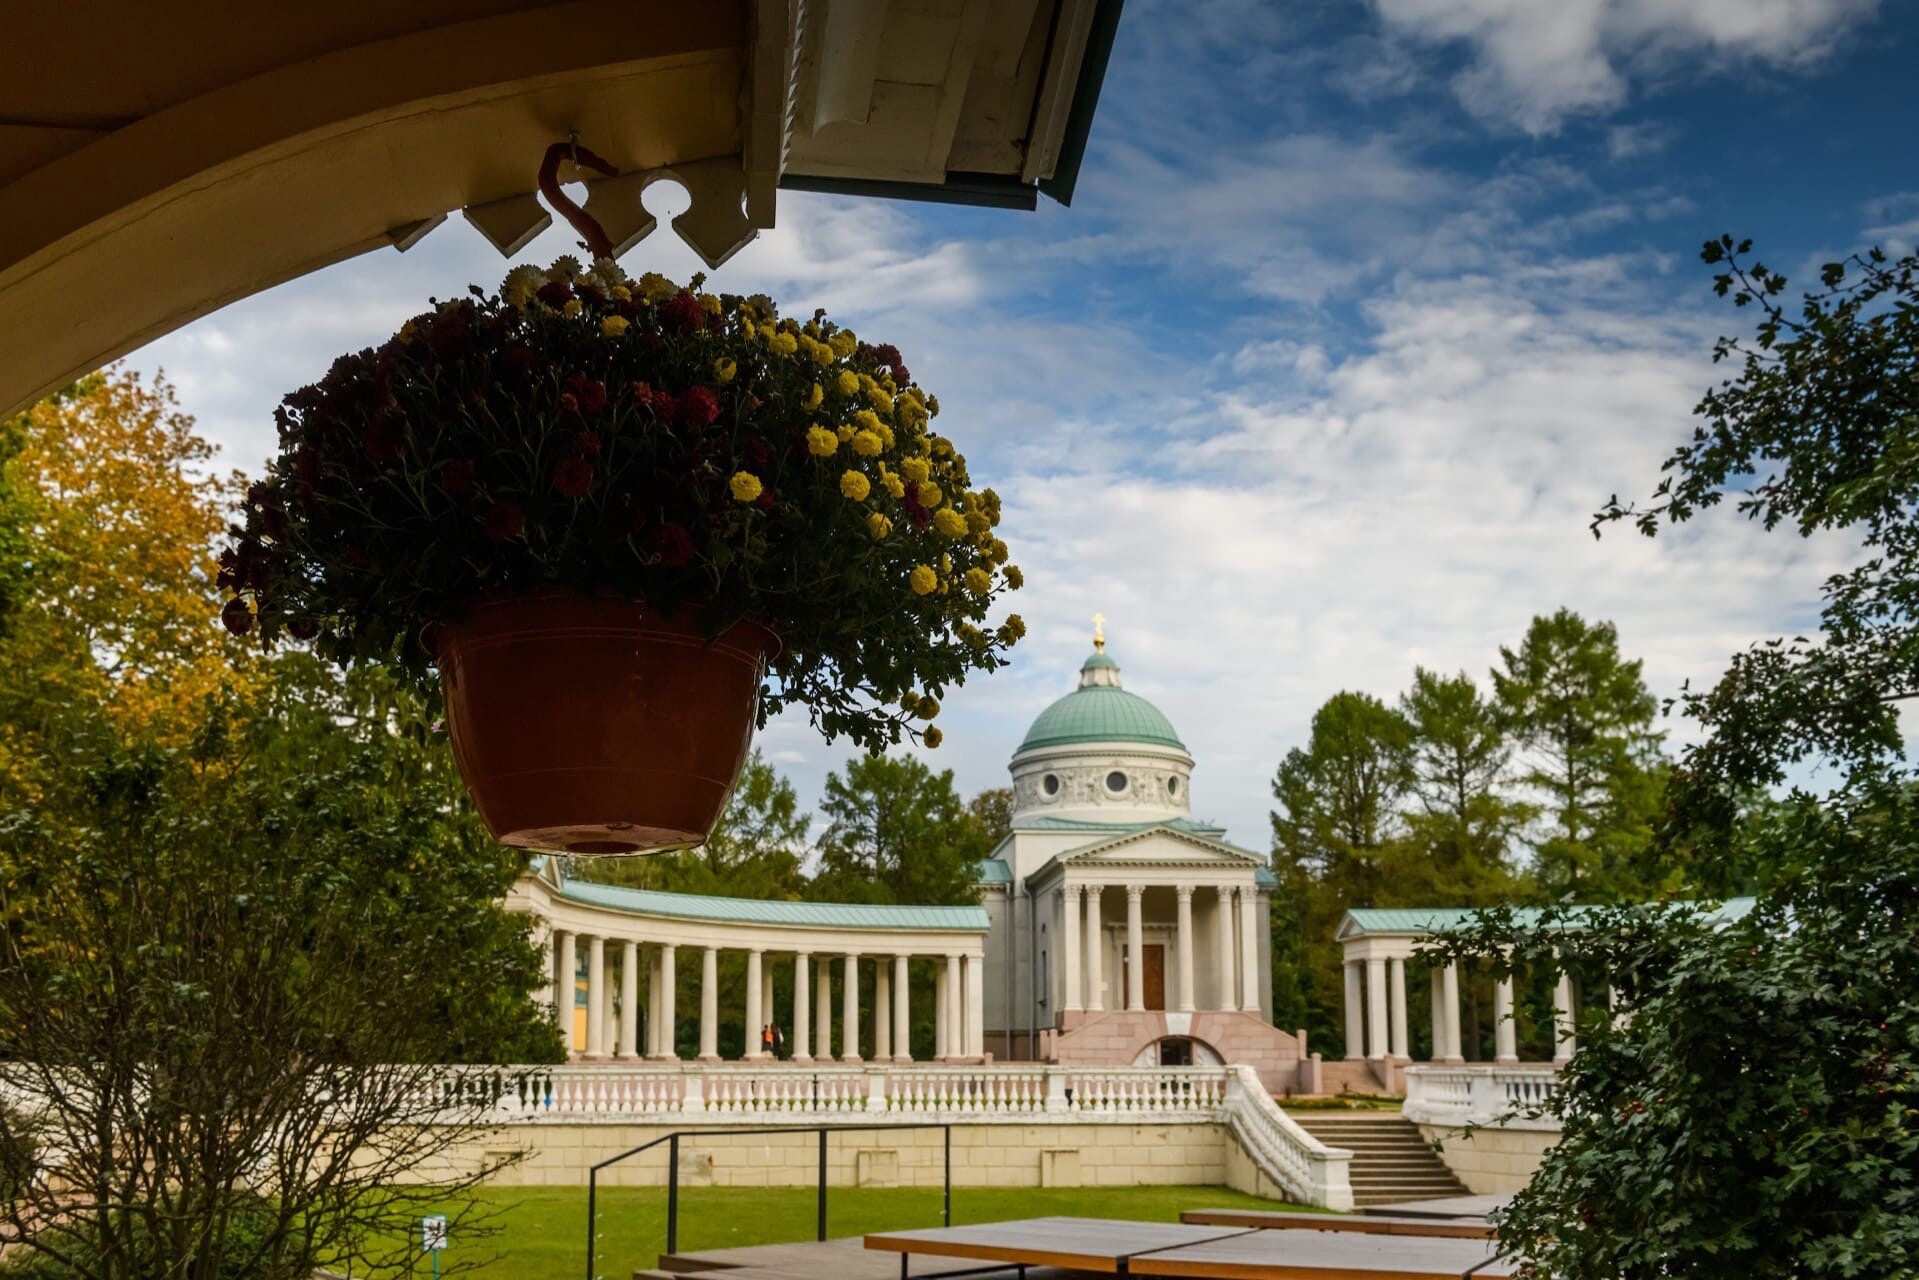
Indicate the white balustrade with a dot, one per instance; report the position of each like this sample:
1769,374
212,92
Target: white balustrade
1293,1158
1494,1097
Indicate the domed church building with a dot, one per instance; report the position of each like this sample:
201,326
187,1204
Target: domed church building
1122,931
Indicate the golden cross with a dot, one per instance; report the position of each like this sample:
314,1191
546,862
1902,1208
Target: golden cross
1099,632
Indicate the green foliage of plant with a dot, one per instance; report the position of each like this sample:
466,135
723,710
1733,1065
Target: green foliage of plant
680,448
896,832
1758,1116
1754,1110
1584,715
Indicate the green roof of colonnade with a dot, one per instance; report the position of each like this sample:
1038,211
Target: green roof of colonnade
815,915
1402,920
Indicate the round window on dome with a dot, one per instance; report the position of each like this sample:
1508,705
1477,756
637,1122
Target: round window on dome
1116,781
1050,784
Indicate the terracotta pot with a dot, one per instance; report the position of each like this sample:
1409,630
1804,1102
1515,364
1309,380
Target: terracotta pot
598,726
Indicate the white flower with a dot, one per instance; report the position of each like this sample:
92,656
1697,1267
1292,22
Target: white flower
520,285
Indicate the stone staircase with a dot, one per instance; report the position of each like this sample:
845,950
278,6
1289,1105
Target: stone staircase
1391,1162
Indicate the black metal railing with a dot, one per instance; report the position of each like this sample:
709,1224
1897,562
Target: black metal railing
672,1143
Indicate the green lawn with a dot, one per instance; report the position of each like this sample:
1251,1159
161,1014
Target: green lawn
540,1232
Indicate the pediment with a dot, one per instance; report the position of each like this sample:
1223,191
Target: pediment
1160,845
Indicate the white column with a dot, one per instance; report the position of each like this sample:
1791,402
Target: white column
1184,946
1223,927
803,1007
1355,1015
1396,997
596,997
1376,1006
1449,1002
1564,1042
1069,948
754,959
823,1009
1135,949
565,966
710,1005
652,1046
1438,997
630,1000
547,994
1249,938
882,1011
902,1019
850,1012
1095,953
942,1048
665,1044
976,1006
955,1022
1505,1031
768,1008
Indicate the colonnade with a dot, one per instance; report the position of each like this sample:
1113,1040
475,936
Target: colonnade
1083,951
614,1027
1376,1013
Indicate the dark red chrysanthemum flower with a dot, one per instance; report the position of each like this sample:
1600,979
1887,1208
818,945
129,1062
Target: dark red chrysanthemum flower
569,403
682,312
520,358
700,407
459,476
555,293
673,544
504,521
754,452
383,438
589,393
767,497
237,617
665,405
588,443
572,477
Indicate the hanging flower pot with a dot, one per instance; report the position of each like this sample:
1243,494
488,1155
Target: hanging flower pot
618,523
598,726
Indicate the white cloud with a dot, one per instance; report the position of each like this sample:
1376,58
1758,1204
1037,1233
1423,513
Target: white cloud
1534,63
1636,141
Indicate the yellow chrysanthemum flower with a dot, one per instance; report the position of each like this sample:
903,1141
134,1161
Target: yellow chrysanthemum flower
820,442
654,286
746,486
928,707
996,551
844,344
933,406
878,525
783,344
614,326
520,285
820,353
867,444
855,486
949,522
978,581
977,522
813,398
922,580
848,383
932,737
929,495
724,370
845,431
1014,578
914,469
710,304
572,308
747,329
620,293
1012,629
879,400
894,485
867,420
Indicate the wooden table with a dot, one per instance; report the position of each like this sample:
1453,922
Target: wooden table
1324,1255
1369,1224
1079,1244
1189,1251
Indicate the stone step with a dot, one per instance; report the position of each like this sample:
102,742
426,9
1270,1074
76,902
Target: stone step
1391,1161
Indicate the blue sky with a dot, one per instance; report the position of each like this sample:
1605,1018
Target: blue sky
1361,309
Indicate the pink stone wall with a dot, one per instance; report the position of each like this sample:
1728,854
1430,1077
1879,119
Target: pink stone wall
1115,1039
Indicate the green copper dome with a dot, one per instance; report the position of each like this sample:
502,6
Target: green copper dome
1100,711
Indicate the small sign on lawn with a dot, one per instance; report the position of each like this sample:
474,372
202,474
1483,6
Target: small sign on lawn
433,1233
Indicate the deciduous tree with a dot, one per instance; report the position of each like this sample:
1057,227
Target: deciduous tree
896,832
